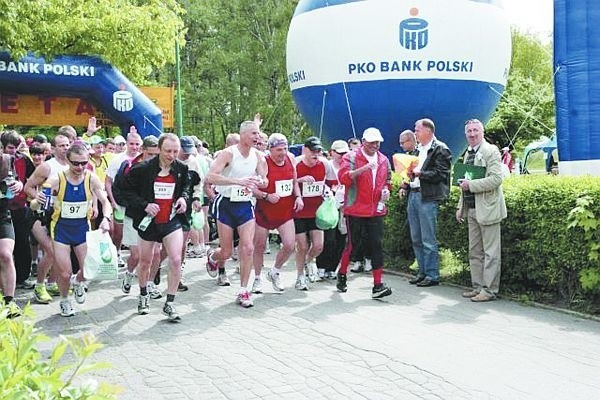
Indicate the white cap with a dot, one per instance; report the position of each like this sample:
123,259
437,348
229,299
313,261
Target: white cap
120,139
372,135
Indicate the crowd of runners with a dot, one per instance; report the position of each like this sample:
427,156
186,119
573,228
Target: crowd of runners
148,192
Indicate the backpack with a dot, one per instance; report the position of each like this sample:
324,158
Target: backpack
118,182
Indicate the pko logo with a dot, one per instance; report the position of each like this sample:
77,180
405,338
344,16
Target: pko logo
414,34
123,100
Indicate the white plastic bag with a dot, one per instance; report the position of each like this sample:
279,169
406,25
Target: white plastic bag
101,259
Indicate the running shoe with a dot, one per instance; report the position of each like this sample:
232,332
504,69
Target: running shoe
275,280
312,272
380,291
301,283
14,310
153,291
126,283
244,299
211,265
341,284
52,289
357,267
222,280
182,287
143,306
78,291
170,312
41,294
368,266
257,286
66,308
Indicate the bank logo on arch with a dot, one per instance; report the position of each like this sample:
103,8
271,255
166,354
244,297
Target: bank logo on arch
123,100
414,34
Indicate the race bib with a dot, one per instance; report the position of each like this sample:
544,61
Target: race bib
312,189
74,209
240,193
163,190
284,188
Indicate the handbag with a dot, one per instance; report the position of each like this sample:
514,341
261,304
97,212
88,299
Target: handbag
101,260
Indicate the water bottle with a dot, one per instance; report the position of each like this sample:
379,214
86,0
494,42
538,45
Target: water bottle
145,223
381,204
9,180
47,190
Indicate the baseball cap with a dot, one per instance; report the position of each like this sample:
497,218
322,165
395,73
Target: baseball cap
120,139
313,143
150,141
372,135
187,144
340,146
95,139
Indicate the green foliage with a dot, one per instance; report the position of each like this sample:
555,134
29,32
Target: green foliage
584,217
526,110
26,374
135,36
542,257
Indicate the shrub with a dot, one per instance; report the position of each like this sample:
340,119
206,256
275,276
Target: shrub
542,258
26,374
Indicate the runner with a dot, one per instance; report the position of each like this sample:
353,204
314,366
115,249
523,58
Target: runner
9,187
236,171
156,192
275,207
73,191
314,173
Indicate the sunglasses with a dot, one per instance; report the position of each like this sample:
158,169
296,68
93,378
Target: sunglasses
78,163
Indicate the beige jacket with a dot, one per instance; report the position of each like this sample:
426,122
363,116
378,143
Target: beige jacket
490,207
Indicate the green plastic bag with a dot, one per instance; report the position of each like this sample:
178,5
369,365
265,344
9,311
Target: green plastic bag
327,214
197,220
101,259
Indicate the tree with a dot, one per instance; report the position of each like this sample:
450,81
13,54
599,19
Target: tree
526,110
136,36
234,66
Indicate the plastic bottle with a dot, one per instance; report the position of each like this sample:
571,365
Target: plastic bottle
145,223
47,190
9,180
381,204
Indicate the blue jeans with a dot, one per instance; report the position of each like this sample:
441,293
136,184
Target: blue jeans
422,220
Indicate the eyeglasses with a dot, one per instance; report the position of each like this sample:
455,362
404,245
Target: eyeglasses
78,163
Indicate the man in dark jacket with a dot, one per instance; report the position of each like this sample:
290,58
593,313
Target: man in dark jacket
156,193
430,185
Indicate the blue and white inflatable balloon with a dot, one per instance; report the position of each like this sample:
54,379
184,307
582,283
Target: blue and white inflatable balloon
353,64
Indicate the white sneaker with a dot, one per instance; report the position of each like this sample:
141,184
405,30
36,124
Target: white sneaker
275,280
66,308
301,283
244,299
143,307
170,312
153,291
223,280
312,272
321,273
126,283
234,254
78,290
257,286
368,266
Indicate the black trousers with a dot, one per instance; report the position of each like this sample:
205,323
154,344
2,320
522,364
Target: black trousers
333,246
366,233
22,252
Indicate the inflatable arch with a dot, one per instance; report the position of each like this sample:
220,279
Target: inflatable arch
86,77
577,67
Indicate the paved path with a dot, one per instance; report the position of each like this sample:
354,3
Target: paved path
416,344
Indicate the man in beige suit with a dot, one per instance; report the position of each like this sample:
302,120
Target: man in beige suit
482,205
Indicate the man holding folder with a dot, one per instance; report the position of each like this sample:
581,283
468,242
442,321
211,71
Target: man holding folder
482,204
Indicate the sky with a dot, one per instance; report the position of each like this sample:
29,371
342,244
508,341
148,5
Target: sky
535,16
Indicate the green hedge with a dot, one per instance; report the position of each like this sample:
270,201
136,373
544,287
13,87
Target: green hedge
542,258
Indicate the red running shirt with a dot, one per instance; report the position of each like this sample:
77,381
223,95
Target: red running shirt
281,181
164,188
